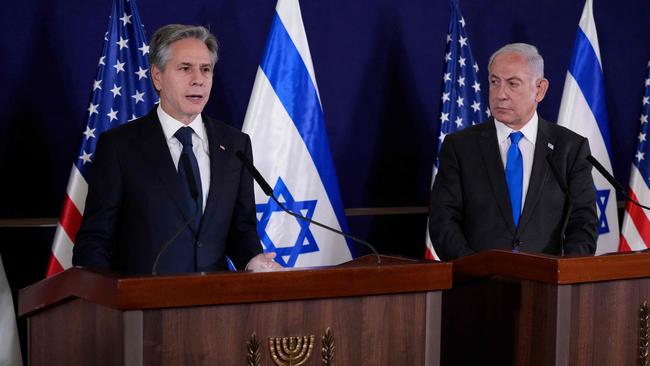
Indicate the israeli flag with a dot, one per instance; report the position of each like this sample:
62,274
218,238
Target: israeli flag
583,110
285,122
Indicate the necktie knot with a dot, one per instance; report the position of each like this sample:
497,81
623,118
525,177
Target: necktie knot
184,135
515,137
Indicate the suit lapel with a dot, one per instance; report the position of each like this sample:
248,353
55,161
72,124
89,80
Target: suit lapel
155,149
539,172
492,162
219,150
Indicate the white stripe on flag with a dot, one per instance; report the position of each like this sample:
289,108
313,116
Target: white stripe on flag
62,247
77,189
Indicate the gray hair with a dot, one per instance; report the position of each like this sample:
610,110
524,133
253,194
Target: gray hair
535,60
159,47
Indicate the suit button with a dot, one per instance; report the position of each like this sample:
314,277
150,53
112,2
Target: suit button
199,244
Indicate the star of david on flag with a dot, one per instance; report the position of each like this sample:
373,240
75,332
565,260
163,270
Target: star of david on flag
583,110
305,241
286,124
461,103
635,233
122,91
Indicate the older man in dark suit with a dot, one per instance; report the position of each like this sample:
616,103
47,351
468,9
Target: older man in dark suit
174,169
495,187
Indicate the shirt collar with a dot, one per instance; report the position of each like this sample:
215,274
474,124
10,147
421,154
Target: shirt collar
171,125
529,130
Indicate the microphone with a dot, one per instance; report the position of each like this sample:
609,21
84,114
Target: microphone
569,202
266,188
191,181
618,186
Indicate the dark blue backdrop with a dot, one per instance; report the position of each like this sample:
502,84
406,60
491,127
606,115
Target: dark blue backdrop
378,65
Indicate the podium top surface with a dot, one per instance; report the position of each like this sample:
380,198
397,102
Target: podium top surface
357,278
552,269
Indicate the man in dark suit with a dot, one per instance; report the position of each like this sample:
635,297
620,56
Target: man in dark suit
172,167
495,188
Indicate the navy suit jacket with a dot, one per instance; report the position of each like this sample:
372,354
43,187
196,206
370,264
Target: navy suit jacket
135,204
470,203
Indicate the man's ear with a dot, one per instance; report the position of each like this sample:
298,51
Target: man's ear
156,76
542,87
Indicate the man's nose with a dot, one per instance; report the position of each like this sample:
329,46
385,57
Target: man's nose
501,92
197,79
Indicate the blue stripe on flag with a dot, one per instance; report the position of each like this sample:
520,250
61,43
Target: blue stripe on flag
289,77
587,72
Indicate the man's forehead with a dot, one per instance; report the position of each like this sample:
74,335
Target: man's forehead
193,62
189,47
511,65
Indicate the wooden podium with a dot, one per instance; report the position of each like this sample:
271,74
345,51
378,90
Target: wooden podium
376,315
523,309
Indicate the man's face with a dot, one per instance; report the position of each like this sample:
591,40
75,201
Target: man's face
514,89
185,83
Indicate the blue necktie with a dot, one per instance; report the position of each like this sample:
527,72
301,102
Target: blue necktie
184,135
515,175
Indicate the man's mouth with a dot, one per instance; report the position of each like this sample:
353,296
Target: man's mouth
194,97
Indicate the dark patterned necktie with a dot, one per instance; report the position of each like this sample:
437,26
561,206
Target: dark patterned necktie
184,135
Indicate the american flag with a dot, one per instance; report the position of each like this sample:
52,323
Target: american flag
635,234
122,91
461,103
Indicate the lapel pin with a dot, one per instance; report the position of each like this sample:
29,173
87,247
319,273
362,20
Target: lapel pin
222,148
550,146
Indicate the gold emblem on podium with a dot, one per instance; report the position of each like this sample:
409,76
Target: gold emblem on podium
291,351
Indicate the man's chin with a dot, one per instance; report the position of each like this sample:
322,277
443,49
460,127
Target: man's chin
194,109
502,117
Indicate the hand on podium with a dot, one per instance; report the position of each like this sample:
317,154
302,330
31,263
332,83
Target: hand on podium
263,262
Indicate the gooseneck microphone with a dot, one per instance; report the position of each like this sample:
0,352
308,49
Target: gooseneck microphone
618,186
191,181
266,188
569,203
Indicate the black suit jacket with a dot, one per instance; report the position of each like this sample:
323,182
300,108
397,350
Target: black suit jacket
135,203
470,204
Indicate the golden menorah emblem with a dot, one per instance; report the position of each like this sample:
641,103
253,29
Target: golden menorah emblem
291,351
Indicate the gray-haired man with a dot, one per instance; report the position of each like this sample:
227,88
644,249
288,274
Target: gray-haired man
496,189
141,189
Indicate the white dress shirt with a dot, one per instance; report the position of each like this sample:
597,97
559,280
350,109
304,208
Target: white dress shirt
199,146
526,146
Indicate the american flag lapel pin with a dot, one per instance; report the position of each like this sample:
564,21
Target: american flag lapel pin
222,148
